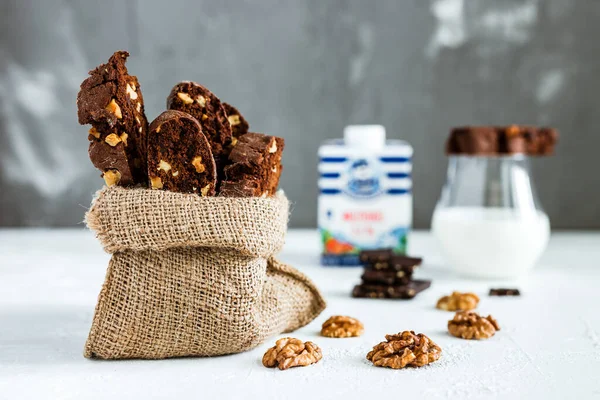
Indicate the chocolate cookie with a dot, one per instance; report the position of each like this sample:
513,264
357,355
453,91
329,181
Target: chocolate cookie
241,188
527,140
111,101
202,104
256,157
480,140
390,292
179,155
112,161
239,125
492,140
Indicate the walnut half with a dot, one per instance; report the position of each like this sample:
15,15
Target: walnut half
340,326
291,352
458,301
405,349
470,325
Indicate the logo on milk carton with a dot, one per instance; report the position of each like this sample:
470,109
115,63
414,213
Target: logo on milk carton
363,179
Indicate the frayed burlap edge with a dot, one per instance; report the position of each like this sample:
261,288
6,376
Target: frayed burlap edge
143,219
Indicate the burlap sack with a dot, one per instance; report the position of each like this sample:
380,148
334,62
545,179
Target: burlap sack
193,276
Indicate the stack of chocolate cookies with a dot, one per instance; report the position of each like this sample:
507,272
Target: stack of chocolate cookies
388,276
198,145
495,140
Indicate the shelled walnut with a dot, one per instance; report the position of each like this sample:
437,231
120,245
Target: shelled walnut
470,325
340,326
458,301
405,349
291,352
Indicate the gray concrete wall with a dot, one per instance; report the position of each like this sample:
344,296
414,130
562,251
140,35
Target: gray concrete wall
303,70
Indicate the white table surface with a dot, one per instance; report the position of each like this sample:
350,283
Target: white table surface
549,345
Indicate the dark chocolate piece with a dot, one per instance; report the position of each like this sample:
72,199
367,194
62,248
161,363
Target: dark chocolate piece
397,261
257,157
408,291
241,188
386,266
179,155
386,277
383,259
202,104
504,292
239,125
373,256
111,101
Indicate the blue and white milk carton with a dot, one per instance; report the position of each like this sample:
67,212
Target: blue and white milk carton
365,199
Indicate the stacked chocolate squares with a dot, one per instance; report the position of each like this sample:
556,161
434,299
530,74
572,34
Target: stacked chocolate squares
388,276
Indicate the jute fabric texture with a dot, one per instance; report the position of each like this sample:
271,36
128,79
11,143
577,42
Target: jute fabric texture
193,276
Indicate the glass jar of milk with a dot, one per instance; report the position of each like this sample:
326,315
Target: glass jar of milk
489,221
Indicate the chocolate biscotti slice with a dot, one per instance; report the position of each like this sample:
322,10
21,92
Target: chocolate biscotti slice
529,140
202,104
111,101
472,140
239,125
112,161
498,140
256,157
240,188
179,155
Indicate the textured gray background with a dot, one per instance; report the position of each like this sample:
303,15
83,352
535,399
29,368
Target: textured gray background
303,70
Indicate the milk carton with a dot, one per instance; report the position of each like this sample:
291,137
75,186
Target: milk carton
365,199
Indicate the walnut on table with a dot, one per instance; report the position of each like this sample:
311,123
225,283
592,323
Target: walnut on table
340,326
405,349
291,352
458,301
470,325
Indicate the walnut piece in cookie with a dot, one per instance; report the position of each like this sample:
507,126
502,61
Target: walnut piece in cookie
291,352
405,349
470,325
340,326
179,156
458,301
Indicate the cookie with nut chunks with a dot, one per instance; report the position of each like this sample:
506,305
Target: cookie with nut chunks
240,188
112,161
239,125
257,156
179,155
202,104
111,101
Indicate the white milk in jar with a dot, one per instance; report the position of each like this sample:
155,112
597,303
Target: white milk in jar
365,199
491,242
